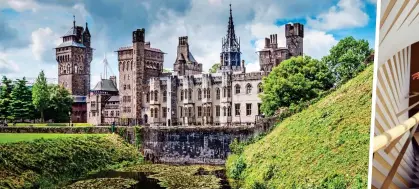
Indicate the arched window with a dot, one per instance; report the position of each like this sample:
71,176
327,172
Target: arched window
156,113
164,96
199,94
237,89
190,94
224,92
260,89
248,88
229,111
123,69
224,111
229,92
218,93
152,112
208,93
156,96
111,113
181,95
148,97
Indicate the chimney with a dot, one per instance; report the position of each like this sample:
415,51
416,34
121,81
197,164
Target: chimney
267,43
147,44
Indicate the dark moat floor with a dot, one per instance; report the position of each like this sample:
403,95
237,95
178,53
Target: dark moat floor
143,180
150,183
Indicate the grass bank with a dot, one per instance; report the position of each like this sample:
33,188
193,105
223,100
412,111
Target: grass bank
52,162
324,146
17,137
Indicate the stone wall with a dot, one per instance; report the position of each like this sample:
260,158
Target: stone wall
195,145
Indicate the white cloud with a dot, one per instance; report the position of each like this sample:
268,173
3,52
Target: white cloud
21,5
7,67
44,40
346,14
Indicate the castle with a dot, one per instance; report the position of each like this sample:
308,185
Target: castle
148,96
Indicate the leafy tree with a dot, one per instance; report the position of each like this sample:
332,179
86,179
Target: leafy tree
21,106
60,103
295,80
40,94
5,97
346,59
214,68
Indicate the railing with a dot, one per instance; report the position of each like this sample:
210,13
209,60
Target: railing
390,138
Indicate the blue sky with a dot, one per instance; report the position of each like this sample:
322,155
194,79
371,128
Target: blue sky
30,29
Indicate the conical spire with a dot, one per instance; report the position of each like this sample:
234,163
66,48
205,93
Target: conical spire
231,36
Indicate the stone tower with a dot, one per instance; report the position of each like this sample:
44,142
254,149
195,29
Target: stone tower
294,33
185,63
140,82
230,55
74,55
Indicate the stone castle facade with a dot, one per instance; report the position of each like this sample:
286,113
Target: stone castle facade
74,56
147,96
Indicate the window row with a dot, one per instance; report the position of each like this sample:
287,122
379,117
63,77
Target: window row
248,88
154,95
126,109
126,99
125,66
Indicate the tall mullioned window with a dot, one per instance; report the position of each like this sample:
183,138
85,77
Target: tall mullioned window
217,111
248,109
229,111
205,93
237,109
237,88
190,94
199,111
181,95
208,93
156,95
164,96
229,92
199,94
218,93
148,97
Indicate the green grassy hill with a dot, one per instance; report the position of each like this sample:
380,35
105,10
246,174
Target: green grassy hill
44,163
324,146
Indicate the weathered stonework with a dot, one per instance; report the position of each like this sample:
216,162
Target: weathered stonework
74,55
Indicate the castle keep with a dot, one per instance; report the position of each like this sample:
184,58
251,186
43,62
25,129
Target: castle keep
147,96
74,55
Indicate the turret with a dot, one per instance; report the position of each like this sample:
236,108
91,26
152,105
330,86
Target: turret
86,37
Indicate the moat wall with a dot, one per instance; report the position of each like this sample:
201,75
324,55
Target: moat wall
194,145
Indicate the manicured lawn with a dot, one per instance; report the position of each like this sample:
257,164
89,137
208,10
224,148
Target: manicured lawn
16,137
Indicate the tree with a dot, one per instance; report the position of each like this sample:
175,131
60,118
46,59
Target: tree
21,106
5,98
346,59
295,80
40,94
214,68
60,103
